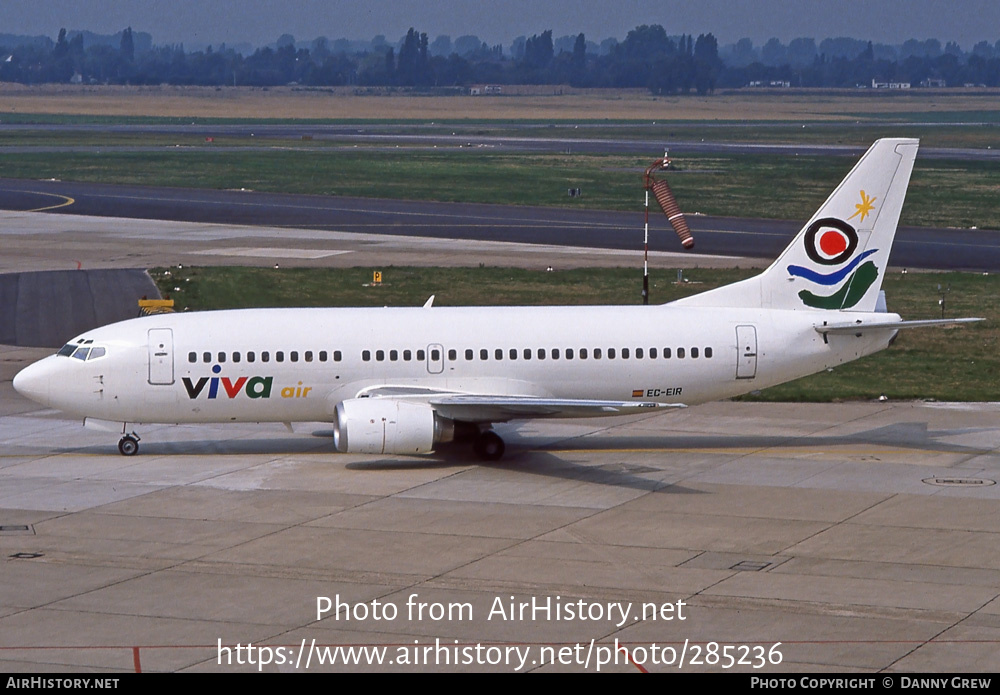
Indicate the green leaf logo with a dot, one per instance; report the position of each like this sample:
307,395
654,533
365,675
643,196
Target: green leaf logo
850,292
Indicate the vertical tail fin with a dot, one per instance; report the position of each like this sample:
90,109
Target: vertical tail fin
838,259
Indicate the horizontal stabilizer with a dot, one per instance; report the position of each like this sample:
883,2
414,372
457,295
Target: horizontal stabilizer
861,325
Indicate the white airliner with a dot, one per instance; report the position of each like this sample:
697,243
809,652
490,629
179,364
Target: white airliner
403,380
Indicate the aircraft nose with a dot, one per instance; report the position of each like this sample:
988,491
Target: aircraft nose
34,382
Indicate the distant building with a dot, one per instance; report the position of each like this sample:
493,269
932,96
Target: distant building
771,83
890,85
934,82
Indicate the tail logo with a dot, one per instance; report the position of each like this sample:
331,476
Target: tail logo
832,242
865,207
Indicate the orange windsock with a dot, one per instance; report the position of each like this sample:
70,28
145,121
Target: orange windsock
665,197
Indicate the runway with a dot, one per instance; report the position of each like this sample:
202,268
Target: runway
791,538
938,249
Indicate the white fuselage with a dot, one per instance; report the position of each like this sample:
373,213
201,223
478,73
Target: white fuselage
287,365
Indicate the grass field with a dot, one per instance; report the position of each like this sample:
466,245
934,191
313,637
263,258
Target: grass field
540,103
953,364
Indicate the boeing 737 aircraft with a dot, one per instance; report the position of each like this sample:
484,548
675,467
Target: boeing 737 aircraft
403,380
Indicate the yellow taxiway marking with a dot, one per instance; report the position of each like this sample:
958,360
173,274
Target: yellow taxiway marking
66,201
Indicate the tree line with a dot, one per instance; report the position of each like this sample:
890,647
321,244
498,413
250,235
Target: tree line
647,58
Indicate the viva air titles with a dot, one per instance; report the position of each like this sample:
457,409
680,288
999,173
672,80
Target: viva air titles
252,387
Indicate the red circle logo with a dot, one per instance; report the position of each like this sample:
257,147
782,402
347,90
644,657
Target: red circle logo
832,242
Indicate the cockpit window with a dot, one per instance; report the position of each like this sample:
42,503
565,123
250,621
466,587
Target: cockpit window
82,352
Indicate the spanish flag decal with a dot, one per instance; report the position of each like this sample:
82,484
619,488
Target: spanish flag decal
637,393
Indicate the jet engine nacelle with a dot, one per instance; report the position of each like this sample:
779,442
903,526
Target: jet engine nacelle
388,426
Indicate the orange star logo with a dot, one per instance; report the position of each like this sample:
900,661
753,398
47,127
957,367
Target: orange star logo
864,207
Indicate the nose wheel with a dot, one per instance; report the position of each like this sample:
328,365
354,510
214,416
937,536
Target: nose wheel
128,445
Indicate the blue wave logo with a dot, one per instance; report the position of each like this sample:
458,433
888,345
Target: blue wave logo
830,278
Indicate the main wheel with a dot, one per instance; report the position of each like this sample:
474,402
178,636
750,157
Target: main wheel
489,446
128,445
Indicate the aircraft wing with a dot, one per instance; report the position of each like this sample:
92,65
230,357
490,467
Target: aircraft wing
486,407
470,408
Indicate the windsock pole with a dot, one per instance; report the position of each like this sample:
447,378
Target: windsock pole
645,256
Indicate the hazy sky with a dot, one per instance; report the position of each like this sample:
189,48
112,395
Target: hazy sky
260,22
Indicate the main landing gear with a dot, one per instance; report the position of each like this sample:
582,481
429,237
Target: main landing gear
129,445
489,446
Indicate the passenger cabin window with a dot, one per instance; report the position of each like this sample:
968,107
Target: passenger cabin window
251,357
337,355
293,356
279,356
192,356
265,356
452,354
421,354
498,354
708,353
308,356
694,353
680,353
393,355
366,355
222,357
468,354
236,357
484,354
206,357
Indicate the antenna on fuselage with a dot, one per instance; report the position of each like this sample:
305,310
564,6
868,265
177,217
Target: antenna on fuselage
665,197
